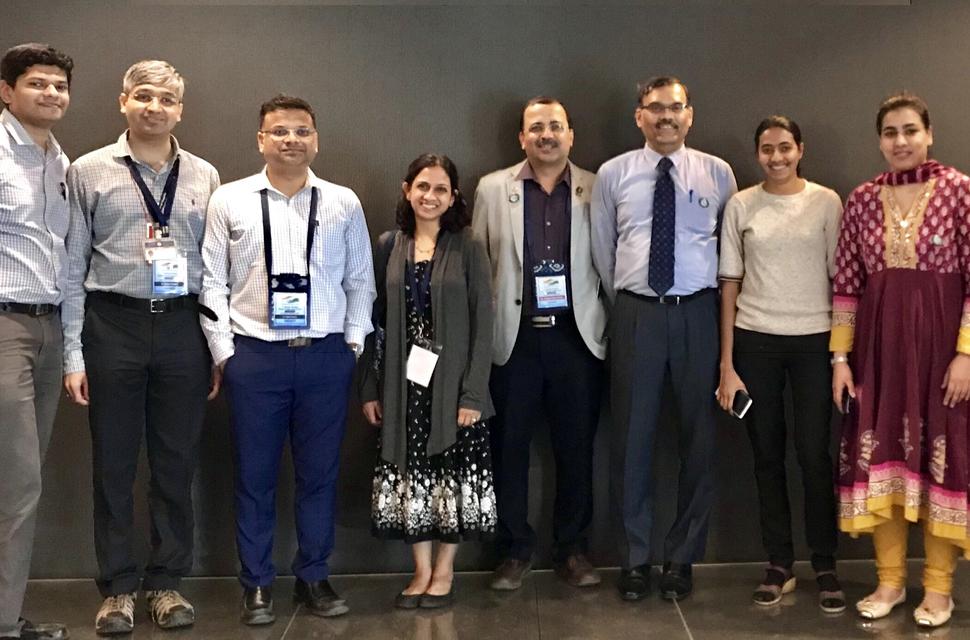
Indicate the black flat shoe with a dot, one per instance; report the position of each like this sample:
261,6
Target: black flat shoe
405,601
319,598
257,606
634,584
429,601
677,581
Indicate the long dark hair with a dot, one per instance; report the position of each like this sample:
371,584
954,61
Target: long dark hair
780,122
456,217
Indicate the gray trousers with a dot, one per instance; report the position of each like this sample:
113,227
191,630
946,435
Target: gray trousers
31,356
648,343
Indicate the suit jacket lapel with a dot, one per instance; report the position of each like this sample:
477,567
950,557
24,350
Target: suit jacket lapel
516,197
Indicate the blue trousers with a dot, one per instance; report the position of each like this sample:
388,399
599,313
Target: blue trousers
274,391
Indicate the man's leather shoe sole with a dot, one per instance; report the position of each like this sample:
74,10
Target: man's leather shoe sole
45,631
330,609
258,617
676,584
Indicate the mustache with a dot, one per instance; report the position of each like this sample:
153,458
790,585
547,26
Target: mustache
552,144
669,122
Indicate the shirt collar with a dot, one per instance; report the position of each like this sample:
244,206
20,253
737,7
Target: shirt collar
123,149
261,181
20,135
526,173
652,157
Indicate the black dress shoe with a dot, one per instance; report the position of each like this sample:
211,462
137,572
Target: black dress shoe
407,601
319,598
257,606
634,584
430,601
677,581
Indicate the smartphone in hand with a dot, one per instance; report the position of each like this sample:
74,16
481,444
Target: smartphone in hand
742,402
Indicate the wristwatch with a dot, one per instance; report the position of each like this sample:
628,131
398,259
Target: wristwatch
837,359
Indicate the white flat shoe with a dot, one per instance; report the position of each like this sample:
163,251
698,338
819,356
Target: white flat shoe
928,618
873,609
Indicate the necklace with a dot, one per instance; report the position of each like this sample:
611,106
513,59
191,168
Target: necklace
902,231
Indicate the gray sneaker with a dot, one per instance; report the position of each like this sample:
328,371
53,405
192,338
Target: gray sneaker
116,615
169,609
508,575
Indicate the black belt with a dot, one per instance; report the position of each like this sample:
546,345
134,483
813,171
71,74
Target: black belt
147,305
302,341
669,299
33,310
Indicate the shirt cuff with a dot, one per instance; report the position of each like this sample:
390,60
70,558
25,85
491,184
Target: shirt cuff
222,351
841,339
73,362
354,335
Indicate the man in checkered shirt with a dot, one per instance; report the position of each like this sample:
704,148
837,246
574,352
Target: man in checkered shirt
134,352
289,279
35,88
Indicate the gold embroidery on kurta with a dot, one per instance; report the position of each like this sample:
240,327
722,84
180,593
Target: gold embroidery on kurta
902,230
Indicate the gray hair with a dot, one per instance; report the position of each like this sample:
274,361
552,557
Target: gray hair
154,72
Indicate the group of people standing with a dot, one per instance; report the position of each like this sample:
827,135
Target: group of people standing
154,287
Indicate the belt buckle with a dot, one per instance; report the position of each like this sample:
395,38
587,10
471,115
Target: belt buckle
543,322
302,341
669,299
156,309
35,310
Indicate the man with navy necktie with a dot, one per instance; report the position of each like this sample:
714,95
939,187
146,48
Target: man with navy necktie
655,218
134,352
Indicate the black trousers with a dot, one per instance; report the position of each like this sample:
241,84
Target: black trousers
649,342
551,374
764,361
147,373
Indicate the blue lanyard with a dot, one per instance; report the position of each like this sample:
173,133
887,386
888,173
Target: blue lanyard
268,236
160,211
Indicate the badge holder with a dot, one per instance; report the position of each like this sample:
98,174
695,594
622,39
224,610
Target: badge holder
550,285
170,276
422,360
289,298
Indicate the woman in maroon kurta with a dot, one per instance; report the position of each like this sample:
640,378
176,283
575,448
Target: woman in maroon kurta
900,337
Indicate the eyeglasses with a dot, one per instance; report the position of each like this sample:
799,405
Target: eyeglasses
554,127
282,133
659,108
166,99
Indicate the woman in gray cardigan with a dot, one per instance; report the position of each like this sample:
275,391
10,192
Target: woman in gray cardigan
424,380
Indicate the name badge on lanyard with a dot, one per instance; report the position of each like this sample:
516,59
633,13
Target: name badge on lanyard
169,265
551,290
289,293
423,357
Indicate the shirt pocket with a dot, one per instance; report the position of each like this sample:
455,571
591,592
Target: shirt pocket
329,244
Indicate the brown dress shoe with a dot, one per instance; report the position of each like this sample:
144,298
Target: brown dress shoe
508,576
578,571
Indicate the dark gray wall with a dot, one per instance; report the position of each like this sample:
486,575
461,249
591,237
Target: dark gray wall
390,82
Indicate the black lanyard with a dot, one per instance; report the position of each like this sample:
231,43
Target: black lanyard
160,211
268,236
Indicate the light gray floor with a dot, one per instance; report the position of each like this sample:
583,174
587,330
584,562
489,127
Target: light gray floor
545,608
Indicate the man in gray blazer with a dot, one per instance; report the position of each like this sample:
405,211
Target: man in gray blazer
534,220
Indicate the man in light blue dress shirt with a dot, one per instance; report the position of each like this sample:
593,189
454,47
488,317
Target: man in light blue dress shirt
35,84
655,218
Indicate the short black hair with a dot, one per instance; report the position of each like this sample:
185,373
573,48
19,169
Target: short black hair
18,59
456,217
543,100
903,100
282,101
646,86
